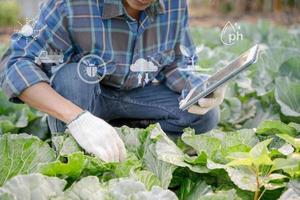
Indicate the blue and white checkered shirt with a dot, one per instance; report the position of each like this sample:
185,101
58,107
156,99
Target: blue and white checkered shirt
103,27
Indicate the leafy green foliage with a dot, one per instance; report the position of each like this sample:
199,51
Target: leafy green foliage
269,90
228,165
37,186
9,13
32,186
288,87
255,153
21,154
217,145
293,191
19,118
72,168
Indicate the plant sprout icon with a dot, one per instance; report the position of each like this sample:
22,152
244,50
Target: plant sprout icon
192,56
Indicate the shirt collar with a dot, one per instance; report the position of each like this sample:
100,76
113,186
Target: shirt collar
114,8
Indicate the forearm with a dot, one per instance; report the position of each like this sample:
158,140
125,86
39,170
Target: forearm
44,98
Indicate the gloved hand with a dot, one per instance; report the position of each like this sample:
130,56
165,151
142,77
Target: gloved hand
206,104
98,137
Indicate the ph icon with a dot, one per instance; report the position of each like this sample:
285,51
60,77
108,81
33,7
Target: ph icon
231,34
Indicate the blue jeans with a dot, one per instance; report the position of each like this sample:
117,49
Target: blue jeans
155,103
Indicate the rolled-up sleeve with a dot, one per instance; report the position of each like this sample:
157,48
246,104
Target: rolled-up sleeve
20,70
176,78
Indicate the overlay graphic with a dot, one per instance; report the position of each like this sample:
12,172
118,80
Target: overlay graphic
143,66
27,30
50,57
231,34
92,69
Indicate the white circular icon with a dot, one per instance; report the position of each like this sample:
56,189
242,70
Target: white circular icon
27,30
91,69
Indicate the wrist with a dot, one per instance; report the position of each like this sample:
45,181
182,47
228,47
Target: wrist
71,113
77,117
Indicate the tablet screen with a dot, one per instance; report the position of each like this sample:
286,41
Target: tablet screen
219,78
232,67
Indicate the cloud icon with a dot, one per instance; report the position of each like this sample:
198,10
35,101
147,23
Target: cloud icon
142,65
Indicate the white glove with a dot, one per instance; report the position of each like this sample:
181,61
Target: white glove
98,137
207,104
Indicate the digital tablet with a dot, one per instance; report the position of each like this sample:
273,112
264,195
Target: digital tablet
220,78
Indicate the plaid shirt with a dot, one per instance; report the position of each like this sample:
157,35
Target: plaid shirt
103,27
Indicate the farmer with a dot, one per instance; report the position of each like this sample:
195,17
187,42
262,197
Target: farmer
125,38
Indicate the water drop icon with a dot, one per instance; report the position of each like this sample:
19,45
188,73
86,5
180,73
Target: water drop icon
230,34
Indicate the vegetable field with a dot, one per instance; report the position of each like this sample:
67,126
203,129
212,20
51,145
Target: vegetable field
254,154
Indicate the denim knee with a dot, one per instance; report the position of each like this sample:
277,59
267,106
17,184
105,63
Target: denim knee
201,123
207,122
68,84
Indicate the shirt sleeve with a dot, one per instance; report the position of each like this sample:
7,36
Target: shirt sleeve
175,77
19,68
